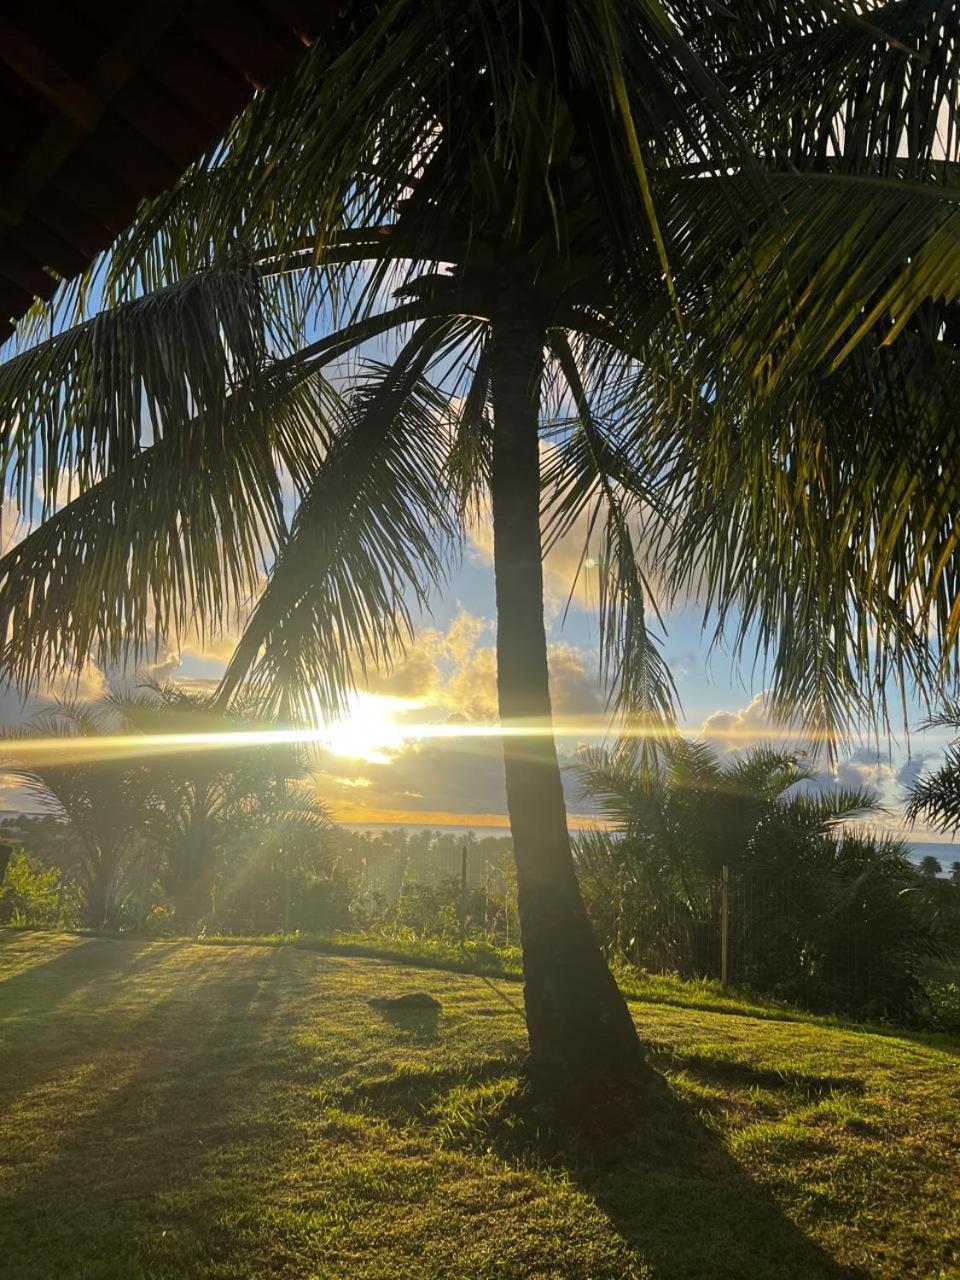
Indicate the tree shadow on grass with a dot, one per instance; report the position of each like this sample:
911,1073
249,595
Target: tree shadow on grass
746,1075
675,1193
49,1014
660,1174
45,986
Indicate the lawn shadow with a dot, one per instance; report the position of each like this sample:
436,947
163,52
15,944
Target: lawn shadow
678,1197
106,964
661,1175
145,1130
745,1075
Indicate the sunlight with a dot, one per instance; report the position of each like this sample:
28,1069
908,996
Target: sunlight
369,731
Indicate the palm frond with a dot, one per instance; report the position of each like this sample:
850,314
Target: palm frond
368,543
823,811
935,797
178,537
87,399
631,661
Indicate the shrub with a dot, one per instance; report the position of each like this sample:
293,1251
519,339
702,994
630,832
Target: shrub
39,896
943,1007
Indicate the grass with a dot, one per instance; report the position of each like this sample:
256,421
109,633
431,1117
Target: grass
176,1111
407,945
426,951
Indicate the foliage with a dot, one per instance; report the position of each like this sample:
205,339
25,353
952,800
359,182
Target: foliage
36,895
150,835
202,804
935,796
942,1012
412,880
819,912
98,800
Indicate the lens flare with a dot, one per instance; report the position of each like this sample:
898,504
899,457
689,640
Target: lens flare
370,736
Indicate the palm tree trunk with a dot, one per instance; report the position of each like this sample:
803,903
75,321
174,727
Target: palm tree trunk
579,1027
97,899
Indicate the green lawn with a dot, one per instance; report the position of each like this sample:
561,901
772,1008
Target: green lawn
173,1110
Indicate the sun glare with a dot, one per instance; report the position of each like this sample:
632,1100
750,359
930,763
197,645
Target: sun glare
375,730
370,730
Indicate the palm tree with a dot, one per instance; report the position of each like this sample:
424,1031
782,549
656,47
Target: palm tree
99,801
133,816
820,911
676,819
603,227
200,808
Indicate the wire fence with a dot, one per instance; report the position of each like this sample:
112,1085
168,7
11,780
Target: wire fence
467,890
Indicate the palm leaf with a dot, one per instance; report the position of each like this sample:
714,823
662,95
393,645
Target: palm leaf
368,541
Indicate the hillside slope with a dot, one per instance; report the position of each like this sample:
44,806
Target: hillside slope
170,1110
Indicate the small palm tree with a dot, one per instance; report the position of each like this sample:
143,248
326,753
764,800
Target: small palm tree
99,801
132,817
675,819
204,810
665,244
820,911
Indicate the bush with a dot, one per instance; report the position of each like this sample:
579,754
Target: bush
35,895
942,1011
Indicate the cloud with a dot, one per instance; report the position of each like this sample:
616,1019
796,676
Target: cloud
912,768
449,675
471,690
574,685
87,683
455,671
864,767
448,777
747,726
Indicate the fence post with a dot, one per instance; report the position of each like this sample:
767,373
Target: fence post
286,895
463,895
724,925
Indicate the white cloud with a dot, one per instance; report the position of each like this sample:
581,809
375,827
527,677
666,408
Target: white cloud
749,725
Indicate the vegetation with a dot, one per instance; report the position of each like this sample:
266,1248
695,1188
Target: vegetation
193,820
820,917
97,800
820,913
32,894
708,258
248,1114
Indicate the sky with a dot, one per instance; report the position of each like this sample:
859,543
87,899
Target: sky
373,769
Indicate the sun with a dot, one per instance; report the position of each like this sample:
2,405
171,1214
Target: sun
371,730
